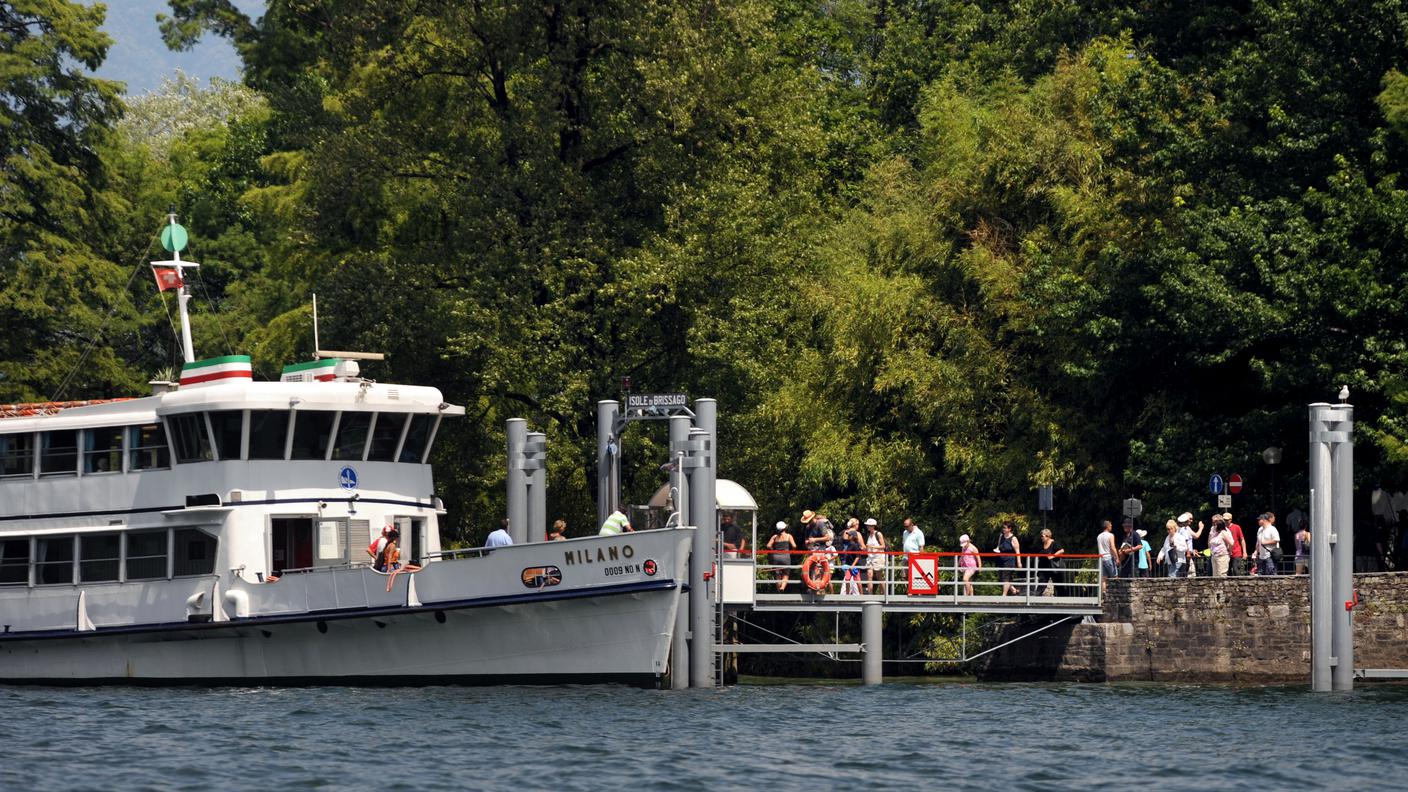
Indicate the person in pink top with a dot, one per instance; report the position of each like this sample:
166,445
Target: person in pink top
969,561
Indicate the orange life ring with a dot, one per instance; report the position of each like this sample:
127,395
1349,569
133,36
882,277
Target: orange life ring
814,581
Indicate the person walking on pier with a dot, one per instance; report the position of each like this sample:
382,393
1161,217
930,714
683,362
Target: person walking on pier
875,557
819,533
970,562
1105,542
1220,546
1303,550
912,541
1175,551
780,547
851,557
1268,545
1239,545
1129,548
1010,549
1050,565
1144,552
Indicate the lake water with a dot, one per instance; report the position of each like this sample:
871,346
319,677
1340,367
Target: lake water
776,736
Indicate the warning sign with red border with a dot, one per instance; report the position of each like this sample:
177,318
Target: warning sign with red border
924,574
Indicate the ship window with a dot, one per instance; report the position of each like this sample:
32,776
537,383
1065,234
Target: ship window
352,435
190,438
102,450
14,561
59,454
146,555
311,431
386,435
98,557
228,426
414,447
195,552
268,430
147,447
17,454
53,560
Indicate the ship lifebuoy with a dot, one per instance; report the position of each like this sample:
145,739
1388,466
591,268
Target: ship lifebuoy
816,581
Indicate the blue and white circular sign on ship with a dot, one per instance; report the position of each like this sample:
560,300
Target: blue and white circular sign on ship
348,478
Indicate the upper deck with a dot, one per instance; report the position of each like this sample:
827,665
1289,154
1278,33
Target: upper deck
89,458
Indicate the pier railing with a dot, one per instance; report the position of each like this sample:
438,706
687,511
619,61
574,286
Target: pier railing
1003,580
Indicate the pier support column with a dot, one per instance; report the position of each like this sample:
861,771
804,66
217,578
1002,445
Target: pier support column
872,636
679,647
516,430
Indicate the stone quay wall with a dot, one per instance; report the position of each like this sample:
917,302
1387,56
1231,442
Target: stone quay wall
1234,629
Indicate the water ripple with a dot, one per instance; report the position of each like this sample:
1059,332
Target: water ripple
949,735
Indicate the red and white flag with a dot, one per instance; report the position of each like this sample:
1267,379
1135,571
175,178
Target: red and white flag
167,278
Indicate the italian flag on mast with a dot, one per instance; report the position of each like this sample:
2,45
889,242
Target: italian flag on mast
216,370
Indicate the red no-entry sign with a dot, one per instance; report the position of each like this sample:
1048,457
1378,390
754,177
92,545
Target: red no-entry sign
1234,483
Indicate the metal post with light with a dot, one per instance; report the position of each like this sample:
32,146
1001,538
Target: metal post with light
1272,458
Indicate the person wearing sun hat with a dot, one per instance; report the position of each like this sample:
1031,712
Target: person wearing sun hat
819,532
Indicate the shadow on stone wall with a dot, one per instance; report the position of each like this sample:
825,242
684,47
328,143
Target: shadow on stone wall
1236,629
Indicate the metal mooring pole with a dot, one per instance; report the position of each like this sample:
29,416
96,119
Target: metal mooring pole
536,474
1332,543
703,511
871,634
679,499
1321,649
1342,503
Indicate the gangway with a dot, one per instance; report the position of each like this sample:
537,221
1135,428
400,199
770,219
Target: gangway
1064,586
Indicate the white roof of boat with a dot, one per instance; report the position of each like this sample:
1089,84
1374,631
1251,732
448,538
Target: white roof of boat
376,397
727,495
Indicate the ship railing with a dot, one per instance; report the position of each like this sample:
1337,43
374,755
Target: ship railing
1033,578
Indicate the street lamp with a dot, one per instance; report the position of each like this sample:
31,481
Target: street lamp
1272,458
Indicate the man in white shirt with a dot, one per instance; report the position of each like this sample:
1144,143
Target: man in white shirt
913,537
1106,542
500,537
1268,544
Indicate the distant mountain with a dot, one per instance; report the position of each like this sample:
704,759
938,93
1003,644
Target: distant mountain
139,58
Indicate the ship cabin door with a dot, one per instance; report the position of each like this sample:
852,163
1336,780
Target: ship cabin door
292,544
412,530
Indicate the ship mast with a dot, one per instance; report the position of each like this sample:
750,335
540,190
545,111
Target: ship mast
173,240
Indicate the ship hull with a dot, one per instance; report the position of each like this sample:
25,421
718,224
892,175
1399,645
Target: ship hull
457,622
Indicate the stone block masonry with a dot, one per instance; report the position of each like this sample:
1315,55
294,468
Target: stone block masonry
1235,629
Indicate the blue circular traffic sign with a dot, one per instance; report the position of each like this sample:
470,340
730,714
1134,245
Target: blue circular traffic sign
1215,484
348,478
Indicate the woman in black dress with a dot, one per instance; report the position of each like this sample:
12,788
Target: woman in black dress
1049,566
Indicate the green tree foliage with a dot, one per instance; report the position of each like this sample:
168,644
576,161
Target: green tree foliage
927,255
58,292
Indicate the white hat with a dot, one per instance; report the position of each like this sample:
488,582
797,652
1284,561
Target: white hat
963,539
1185,517
1142,533
781,525
871,521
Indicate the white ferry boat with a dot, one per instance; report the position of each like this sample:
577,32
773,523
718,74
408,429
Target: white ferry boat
218,532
